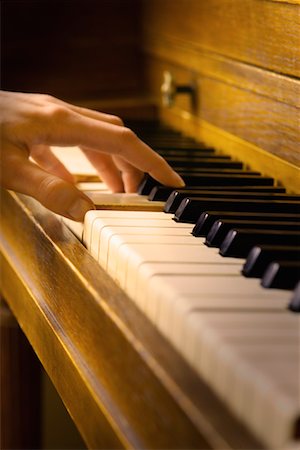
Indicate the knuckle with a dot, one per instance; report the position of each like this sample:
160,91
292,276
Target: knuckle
115,120
57,113
49,189
47,98
128,136
37,151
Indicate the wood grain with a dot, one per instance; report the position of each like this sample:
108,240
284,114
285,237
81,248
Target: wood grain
122,383
260,33
269,124
199,61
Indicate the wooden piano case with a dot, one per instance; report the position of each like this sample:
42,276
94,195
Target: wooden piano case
121,381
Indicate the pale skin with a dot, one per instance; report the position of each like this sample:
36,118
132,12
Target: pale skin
31,123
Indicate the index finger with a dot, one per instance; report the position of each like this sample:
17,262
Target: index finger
70,128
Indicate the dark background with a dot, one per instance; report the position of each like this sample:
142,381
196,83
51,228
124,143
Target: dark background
74,49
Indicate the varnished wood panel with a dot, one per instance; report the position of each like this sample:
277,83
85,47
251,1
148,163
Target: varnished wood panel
276,86
269,124
122,383
257,32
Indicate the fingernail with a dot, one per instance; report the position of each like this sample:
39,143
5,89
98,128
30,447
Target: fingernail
178,180
79,208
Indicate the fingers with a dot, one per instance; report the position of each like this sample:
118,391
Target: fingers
22,175
118,174
70,128
33,120
109,118
46,159
130,175
106,168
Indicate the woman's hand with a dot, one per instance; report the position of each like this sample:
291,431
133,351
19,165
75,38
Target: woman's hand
31,123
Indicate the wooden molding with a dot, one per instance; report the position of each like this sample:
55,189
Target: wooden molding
123,384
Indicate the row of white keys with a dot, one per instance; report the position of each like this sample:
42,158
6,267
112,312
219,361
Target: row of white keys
195,252
113,237
252,360
161,279
218,286
93,218
153,279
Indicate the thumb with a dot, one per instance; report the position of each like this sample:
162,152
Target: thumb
56,194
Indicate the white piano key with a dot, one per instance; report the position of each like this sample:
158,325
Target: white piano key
132,214
150,269
134,234
122,201
100,231
129,257
171,304
75,161
237,335
221,345
133,257
86,186
91,218
121,259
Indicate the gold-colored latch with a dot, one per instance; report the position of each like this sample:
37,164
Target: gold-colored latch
169,89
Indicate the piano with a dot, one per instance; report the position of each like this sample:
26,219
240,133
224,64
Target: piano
152,338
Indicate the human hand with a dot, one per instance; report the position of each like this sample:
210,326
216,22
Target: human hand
31,123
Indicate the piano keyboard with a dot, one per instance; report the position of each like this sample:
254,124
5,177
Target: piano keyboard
242,338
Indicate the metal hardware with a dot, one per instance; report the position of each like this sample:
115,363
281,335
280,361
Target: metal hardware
169,89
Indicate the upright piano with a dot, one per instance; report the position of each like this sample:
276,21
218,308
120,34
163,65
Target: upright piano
219,78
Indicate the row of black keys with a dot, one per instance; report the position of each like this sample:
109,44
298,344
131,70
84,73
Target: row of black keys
237,210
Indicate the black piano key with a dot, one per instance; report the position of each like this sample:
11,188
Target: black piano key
201,179
202,162
162,193
261,256
220,228
190,209
147,184
190,154
281,275
141,125
238,242
207,219
166,135
225,180
172,140
176,145
198,171
295,301
177,195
